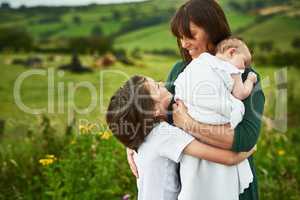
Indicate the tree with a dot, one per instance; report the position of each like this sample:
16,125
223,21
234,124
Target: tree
266,45
5,5
15,38
90,44
116,15
296,43
76,20
235,6
96,31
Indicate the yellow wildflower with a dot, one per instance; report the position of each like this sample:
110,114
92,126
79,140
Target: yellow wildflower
73,142
91,126
281,152
46,162
83,129
106,135
50,157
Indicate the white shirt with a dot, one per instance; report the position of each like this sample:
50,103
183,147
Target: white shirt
205,88
157,162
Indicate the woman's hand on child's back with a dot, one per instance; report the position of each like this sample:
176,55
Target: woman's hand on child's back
244,155
130,153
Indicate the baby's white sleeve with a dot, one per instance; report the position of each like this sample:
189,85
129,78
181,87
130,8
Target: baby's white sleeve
231,69
173,142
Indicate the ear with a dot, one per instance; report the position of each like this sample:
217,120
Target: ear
231,51
156,113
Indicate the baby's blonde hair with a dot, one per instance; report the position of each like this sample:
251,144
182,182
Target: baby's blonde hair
237,43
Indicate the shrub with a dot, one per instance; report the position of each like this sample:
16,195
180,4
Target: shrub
15,38
90,44
92,166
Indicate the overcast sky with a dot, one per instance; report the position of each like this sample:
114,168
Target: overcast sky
17,3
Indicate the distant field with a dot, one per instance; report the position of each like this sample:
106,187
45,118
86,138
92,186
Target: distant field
34,88
160,36
280,29
155,37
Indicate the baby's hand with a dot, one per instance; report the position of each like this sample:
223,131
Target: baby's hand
252,77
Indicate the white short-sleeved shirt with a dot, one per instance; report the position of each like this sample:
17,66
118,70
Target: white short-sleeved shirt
157,162
205,88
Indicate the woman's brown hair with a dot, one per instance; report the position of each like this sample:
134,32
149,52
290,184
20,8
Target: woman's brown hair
130,114
206,14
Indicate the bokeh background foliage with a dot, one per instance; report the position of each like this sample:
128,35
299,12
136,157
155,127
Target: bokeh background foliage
57,156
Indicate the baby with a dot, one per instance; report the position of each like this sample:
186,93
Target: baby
237,53
212,89
211,86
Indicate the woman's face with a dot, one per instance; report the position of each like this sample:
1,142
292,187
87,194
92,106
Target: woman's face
196,45
160,95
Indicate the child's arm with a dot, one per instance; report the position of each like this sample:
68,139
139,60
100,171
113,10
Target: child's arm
242,90
213,154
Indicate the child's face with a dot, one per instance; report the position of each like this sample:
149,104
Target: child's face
160,95
239,60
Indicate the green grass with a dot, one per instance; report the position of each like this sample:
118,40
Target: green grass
238,20
280,29
89,17
160,36
20,152
154,37
34,88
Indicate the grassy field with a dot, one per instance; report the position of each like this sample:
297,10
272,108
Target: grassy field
156,37
279,29
30,133
160,36
34,88
40,158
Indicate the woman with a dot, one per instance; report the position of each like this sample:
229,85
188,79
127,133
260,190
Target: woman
199,26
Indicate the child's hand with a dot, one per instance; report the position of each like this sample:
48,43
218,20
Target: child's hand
252,77
180,115
131,162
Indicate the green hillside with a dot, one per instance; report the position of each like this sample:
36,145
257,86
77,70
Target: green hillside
84,160
61,22
279,29
66,22
155,37
160,36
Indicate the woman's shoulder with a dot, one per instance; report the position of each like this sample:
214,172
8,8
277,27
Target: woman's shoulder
177,68
178,65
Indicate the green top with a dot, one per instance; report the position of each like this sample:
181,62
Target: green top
247,132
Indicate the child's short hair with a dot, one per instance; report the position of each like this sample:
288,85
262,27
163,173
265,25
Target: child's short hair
231,42
130,113
234,42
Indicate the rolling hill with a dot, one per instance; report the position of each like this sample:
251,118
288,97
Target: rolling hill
121,20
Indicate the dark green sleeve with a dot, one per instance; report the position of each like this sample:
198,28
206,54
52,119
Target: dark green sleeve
175,71
247,132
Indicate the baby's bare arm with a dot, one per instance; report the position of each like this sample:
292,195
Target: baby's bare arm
242,90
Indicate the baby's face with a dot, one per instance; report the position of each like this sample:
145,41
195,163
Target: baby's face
240,60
